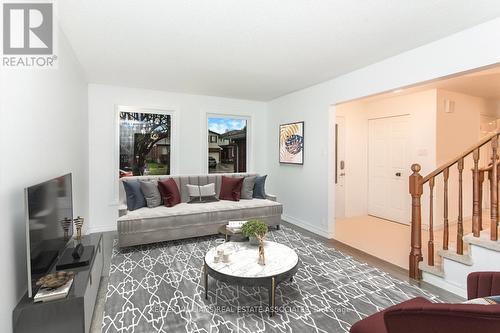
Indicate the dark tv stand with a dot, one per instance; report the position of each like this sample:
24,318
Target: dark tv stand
73,313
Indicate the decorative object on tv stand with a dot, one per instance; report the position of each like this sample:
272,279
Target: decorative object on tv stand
256,231
54,280
79,224
291,143
65,224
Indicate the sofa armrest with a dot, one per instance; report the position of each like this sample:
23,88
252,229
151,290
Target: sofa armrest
122,210
442,318
271,197
483,284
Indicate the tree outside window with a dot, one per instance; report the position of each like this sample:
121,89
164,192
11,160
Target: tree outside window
145,144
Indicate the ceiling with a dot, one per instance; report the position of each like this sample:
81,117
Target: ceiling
259,49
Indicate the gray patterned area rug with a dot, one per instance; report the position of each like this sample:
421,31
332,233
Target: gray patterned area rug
159,288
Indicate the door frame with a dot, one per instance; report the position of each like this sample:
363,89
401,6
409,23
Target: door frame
336,167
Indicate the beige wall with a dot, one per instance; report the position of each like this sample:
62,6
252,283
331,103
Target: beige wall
436,137
420,106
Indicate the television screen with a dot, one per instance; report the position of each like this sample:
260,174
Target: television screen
49,208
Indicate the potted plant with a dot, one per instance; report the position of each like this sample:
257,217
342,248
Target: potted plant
254,230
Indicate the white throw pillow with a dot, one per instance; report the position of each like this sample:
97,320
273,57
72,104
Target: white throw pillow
201,191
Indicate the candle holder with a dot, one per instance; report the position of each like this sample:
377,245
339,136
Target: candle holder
65,224
79,224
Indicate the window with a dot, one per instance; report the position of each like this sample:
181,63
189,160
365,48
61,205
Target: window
227,145
145,144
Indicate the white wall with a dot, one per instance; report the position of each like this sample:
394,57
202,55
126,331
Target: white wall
43,134
191,134
307,192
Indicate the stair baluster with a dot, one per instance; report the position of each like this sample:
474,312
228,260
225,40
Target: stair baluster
475,194
446,229
460,226
493,189
430,244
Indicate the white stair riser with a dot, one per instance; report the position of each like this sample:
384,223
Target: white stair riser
455,273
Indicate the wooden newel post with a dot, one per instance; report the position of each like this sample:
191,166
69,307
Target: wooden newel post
416,190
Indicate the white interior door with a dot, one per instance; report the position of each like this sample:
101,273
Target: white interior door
388,168
340,167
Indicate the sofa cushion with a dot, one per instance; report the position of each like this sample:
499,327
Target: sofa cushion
135,198
151,193
247,187
186,215
169,192
230,188
259,190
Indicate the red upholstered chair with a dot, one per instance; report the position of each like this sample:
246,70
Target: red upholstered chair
419,315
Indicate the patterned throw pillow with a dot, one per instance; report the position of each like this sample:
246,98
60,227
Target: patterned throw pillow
135,198
201,193
484,300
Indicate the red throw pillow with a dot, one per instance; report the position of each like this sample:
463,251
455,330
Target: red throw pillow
230,188
169,192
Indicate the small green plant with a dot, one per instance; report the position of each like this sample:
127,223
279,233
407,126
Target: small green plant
254,228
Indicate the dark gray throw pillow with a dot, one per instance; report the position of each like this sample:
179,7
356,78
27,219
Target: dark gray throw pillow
247,187
259,190
151,193
135,198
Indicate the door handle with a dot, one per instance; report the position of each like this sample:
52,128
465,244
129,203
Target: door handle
342,174
398,174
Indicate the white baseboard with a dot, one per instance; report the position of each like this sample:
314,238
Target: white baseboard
443,284
306,225
101,228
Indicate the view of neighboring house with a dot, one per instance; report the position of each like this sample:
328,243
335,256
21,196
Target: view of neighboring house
227,151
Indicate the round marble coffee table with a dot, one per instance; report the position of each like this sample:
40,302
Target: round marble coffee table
242,269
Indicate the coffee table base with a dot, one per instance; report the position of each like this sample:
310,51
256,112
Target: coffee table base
270,282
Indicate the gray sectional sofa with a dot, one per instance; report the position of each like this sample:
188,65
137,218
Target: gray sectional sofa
149,225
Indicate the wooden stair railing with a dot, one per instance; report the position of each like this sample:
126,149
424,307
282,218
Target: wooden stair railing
416,187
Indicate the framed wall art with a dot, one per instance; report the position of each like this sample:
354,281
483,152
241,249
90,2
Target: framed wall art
291,144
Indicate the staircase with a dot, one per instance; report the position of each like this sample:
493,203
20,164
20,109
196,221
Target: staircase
457,251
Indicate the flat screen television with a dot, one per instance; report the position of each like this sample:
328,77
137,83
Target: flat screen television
49,225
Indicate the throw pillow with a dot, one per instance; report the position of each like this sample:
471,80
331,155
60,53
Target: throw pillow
135,198
484,300
259,190
201,193
230,188
169,192
151,193
247,188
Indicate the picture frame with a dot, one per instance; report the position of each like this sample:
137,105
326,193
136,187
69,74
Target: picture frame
291,143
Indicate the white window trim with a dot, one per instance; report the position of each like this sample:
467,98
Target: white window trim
248,119
174,142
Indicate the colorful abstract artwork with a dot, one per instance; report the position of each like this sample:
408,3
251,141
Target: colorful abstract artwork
292,143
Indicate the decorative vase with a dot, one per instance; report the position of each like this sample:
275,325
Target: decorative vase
78,223
253,240
262,258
